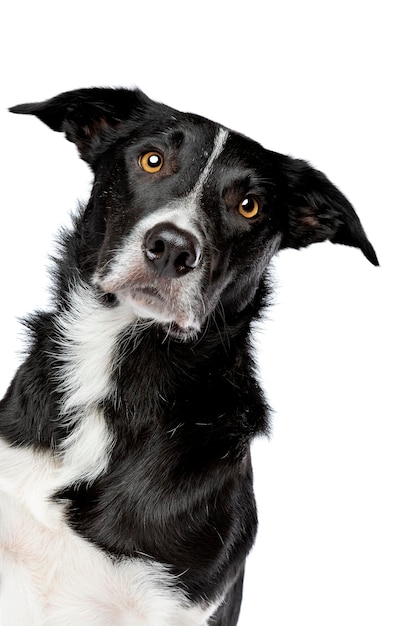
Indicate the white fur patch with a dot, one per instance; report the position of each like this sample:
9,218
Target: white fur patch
89,332
219,143
52,577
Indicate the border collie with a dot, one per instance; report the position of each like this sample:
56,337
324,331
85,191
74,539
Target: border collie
125,475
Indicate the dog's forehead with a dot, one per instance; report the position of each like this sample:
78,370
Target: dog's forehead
222,142
220,160
202,140
211,156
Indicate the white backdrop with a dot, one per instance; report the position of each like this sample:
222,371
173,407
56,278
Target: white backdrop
332,82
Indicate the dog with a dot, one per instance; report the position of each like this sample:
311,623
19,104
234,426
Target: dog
126,494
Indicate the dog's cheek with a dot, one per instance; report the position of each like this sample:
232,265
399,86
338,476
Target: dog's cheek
234,285
91,232
107,219
251,260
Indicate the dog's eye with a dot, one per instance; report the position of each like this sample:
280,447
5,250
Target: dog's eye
151,162
249,207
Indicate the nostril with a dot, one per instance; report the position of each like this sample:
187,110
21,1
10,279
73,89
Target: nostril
186,261
172,251
155,249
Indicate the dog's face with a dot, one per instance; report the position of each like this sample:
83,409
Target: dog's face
185,215
192,221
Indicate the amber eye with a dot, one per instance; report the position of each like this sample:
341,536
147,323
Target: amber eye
249,207
151,162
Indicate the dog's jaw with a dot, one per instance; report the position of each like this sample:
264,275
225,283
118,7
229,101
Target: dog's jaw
149,304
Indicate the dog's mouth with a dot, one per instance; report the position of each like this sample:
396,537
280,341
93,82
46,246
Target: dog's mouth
147,292
169,308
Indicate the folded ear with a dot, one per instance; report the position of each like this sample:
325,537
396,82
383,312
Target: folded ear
87,116
316,210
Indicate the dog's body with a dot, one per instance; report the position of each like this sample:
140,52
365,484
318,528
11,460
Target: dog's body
125,475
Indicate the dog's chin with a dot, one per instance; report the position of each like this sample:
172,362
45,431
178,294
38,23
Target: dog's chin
150,307
183,335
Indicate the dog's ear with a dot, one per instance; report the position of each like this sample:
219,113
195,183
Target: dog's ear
87,116
315,210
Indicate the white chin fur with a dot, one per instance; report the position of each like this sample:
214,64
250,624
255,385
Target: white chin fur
147,312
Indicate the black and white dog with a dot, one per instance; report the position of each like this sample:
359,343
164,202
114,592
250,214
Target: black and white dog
125,475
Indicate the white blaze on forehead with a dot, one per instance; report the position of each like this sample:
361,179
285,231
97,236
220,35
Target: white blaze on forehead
183,211
219,143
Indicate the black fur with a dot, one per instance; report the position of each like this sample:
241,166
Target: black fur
179,485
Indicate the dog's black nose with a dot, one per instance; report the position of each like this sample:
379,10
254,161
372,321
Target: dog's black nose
171,251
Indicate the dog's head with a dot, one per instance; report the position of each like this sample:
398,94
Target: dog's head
185,215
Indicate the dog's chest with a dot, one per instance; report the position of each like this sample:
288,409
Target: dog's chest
52,576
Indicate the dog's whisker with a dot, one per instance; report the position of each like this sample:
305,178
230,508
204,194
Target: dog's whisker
173,431
218,534
181,574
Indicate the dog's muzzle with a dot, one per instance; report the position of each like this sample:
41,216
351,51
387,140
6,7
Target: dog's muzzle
171,251
145,277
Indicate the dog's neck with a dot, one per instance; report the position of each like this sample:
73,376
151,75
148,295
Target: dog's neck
98,353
